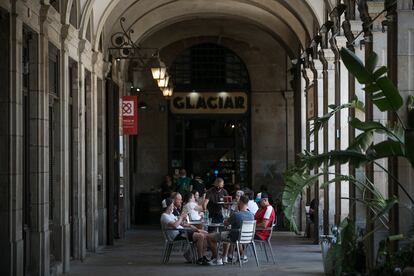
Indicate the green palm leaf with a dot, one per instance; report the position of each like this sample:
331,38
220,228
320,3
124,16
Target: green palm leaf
295,182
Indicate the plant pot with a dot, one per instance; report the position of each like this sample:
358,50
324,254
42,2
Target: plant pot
326,243
408,271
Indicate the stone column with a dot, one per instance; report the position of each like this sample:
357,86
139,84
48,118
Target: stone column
61,220
343,127
290,122
40,235
79,237
380,177
321,195
92,159
305,141
360,213
406,87
11,141
327,58
101,178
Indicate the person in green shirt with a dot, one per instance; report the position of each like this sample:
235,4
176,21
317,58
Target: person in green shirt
183,183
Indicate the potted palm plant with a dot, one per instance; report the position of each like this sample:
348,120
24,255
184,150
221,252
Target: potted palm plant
342,256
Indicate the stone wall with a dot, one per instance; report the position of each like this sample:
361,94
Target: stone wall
265,60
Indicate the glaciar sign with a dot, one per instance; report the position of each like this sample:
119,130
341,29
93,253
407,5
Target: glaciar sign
208,103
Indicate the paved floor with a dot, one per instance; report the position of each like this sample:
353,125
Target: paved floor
140,252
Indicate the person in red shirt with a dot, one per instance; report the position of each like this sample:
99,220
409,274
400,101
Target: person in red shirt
264,217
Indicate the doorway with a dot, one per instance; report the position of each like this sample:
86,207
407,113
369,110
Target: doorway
209,147
210,136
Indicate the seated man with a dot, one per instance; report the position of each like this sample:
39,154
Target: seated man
178,203
264,217
235,221
169,221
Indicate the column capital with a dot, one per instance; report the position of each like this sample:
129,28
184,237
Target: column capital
327,55
44,13
327,59
317,64
317,68
341,41
405,5
356,26
67,33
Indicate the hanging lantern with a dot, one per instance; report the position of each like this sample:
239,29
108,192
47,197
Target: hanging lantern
167,92
159,71
163,83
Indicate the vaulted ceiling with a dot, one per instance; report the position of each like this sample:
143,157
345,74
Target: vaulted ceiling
291,22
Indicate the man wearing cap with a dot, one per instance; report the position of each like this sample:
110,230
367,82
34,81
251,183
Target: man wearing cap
170,221
264,217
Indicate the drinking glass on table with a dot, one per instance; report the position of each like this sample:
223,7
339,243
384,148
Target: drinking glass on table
225,212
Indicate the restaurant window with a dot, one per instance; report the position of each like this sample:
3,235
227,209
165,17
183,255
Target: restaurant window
207,67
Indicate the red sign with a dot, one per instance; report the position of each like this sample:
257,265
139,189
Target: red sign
129,110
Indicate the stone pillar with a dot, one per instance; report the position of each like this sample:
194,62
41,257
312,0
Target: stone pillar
40,235
92,159
305,141
321,195
101,177
61,220
327,58
290,122
406,87
360,210
79,237
11,141
343,125
380,177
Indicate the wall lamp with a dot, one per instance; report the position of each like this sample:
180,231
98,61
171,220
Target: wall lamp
123,47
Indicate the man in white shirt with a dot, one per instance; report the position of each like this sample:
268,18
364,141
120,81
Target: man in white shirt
169,221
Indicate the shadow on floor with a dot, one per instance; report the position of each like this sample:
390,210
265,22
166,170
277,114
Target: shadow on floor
140,254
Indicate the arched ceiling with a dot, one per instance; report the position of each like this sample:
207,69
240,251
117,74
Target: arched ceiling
248,34
292,21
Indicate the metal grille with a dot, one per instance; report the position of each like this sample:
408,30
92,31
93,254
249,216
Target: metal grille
209,67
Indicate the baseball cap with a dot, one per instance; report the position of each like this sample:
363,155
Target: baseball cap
264,195
166,202
261,195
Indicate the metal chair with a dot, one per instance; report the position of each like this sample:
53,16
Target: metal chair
246,237
170,243
266,242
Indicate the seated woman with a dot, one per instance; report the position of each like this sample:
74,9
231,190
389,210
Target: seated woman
169,221
193,210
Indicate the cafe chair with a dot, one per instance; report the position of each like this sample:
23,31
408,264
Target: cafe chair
183,243
246,237
266,243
